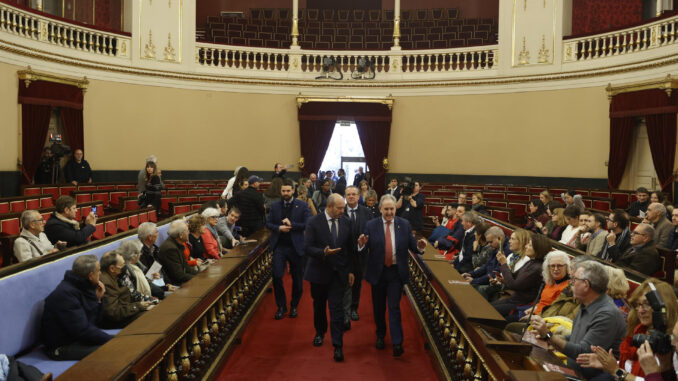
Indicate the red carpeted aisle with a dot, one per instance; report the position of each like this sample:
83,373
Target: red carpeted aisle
283,350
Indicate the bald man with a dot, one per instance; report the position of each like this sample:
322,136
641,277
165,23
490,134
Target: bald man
77,169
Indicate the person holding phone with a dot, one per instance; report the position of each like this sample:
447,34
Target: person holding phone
62,225
537,217
480,277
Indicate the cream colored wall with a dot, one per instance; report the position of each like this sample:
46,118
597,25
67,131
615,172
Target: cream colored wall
187,129
9,123
560,133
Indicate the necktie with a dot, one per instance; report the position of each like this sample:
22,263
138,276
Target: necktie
388,254
334,232
353,215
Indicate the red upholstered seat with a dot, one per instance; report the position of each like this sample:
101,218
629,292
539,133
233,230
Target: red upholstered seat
179,209
134,221
17,206
130,204
32,190
33,204
46,202
110,227
80,198
152,216
123,224
101,196
10,226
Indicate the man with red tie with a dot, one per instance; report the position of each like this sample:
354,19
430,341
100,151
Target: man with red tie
386,243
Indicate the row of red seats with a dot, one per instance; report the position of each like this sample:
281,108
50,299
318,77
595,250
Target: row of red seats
20,203
346,15
10,224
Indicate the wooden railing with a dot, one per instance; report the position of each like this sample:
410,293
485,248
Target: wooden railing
187,335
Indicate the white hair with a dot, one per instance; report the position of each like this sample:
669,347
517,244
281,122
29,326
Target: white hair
145,230
545,273
176,228
387,197
210,212
130,249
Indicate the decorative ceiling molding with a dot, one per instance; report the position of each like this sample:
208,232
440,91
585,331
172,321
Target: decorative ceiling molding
388,101
667,84
29,75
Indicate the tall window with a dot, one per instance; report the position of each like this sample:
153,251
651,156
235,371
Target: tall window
345,150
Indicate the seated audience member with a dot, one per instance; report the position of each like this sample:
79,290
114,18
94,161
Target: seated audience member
171,254
77,169
598,322
477,203
132,276
32,241
555,227
571,198
462,198
673,236
69,325
411,207
251,205
196,228
537,217
482,275
371,203
464,261
545,197
272,194
320,196
141,177
642,256
210,237
450,243
523,283
640,321
239,173
556,275
619,237
481,248
618,288
517,243
444,226
569,235
152,186
302,194
657,196
148,235
639,207
62,225
226,228
655,215
120,309
592,238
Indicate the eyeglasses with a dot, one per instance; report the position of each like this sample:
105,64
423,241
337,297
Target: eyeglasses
556,266
644,305
636,233
574,279
40,220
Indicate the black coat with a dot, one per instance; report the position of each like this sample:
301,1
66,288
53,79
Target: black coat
80,172
171,256
72,312
643,259
320,267
252,212
58,230
340,186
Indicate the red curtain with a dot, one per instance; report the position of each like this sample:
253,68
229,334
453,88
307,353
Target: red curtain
621,133
50,94
374,137
315,137
73,127
661,132
34,127
595,16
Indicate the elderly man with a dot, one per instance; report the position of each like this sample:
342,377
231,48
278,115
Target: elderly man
639,207
33,242
171,254
386,244
62,225
251,203
592,237
72,311
119,309
599,322
656,216
77,169
148,235
642,256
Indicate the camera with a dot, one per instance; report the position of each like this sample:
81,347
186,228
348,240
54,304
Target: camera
660,342
58,148
407,189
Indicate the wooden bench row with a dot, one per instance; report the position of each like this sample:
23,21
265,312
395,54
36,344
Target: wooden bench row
20,203
9,222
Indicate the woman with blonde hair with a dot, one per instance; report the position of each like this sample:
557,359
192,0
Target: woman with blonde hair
364,188
545,197
554,228
302,194
477,203
618,288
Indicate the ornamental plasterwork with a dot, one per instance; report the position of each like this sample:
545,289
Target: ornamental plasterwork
543,52
149,48
524,55
169,50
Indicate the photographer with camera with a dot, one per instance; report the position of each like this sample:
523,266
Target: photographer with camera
654,313
410,205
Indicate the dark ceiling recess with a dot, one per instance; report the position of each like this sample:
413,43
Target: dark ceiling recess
343,4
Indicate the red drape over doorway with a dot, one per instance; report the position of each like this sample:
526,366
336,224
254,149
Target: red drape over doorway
373,121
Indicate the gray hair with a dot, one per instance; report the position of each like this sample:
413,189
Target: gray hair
85,265
659,207
596,274
333,199
130,249
177,227
495,231
387,197
210,212
27,217
648,229
471,217
146,230
371,193
555,254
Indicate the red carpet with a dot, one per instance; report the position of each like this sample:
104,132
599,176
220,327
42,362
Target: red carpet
282,349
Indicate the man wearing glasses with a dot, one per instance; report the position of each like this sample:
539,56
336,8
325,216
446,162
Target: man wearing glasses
618,238
33,242
599,322
642,256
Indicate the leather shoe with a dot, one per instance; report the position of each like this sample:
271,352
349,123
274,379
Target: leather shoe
354,315
293,312
317,341
397,350
380,343
280,313
347,324
338,354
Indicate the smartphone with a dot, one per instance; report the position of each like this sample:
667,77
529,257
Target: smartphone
94,210
496,273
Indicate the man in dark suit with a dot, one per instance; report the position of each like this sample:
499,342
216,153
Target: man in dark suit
462,262
340,186
250,202
386,244
359,215
330,249
642,256
171,254
360,176
287,222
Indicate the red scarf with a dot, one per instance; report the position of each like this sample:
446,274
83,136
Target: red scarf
628,352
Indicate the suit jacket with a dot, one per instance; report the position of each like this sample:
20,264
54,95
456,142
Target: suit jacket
117,301
375,248
358,178
662,230
466,243
320,267
171,257
644,259
299,214
362,215
622,244
340,186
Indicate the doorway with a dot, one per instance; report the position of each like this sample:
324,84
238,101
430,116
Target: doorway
344,151
642,170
